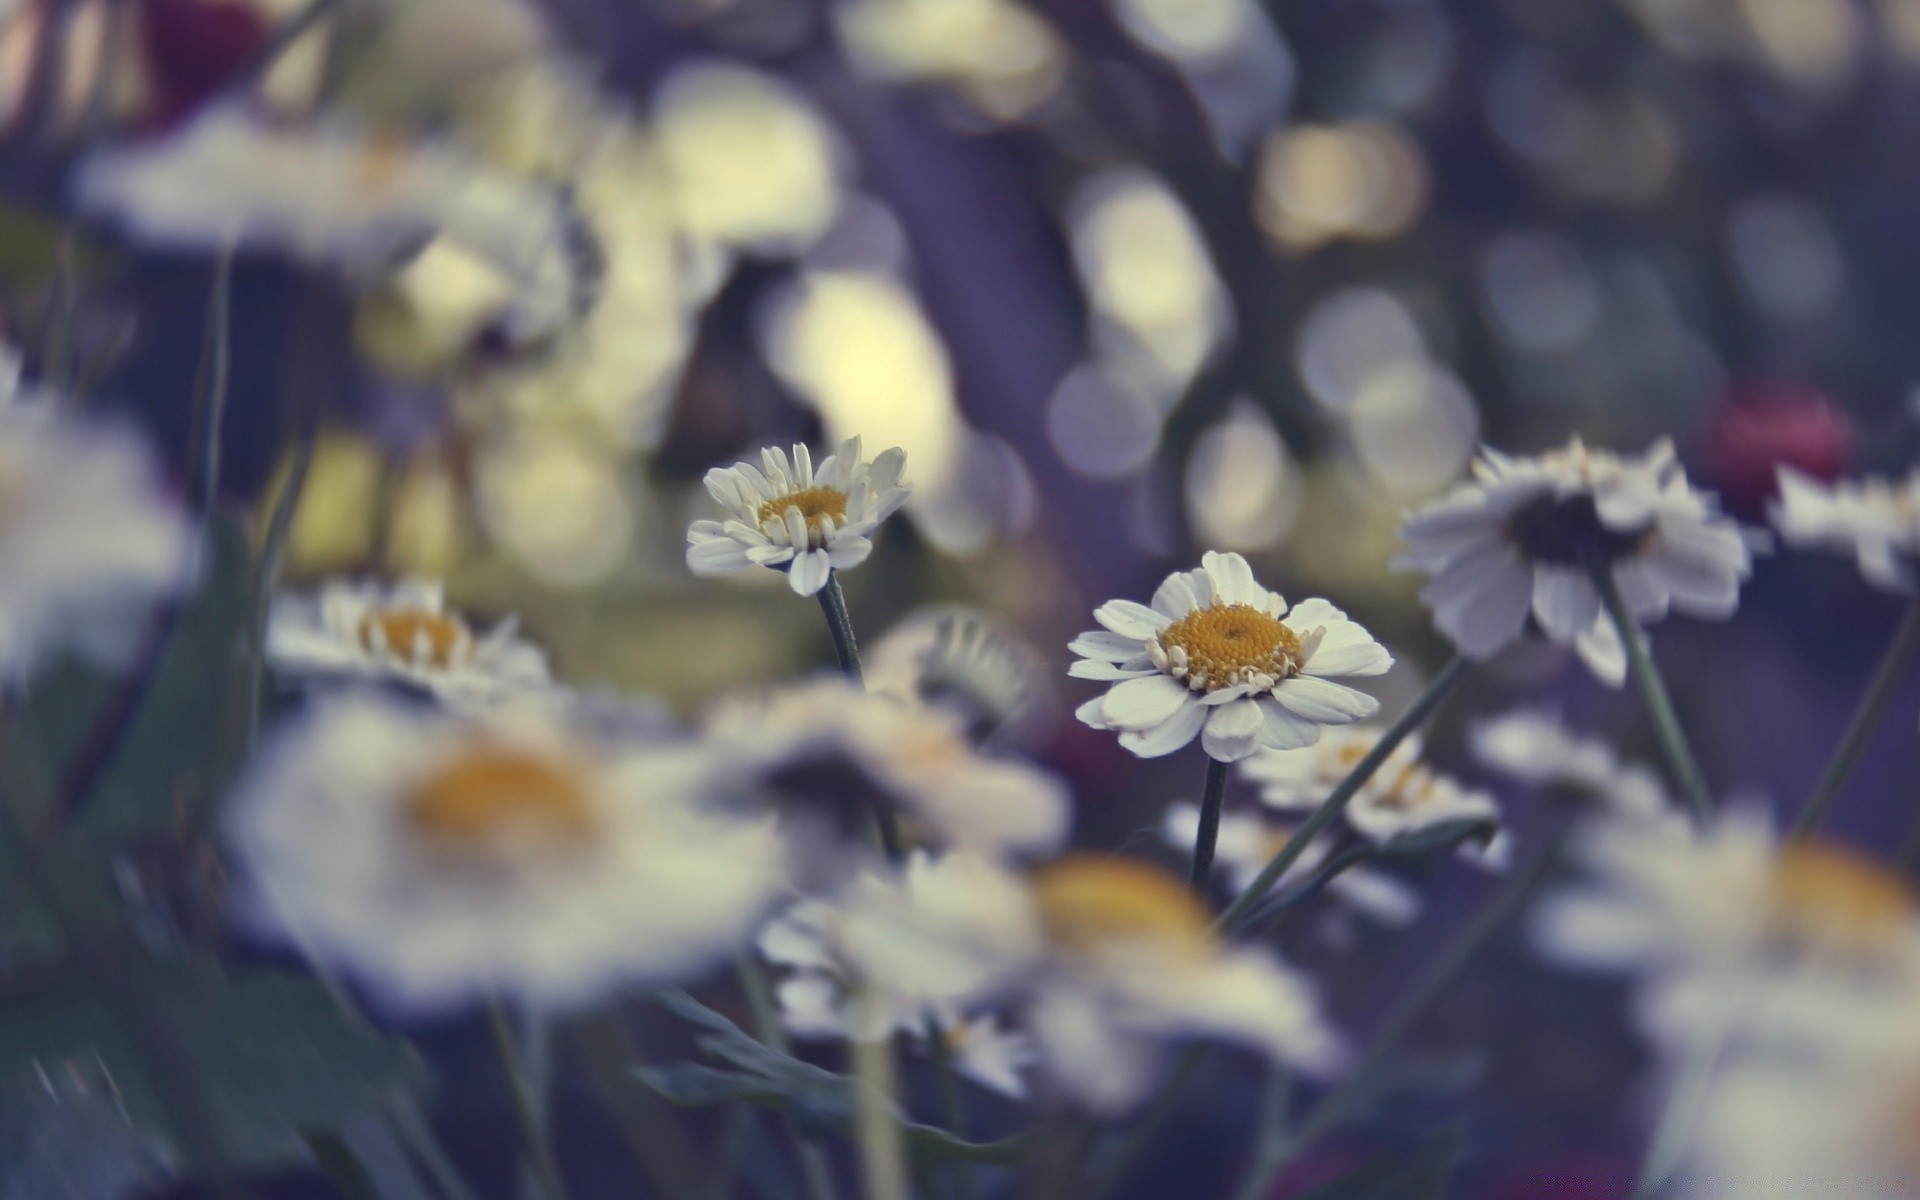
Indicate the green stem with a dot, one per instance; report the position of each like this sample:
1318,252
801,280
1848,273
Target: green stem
1212,797
1681,1112
953,1104
1467,942
1893,669
1653,693
1270,1144
526,1106
416,1134
1336,802
266,575
883,1152
211,385
815,1173
833,604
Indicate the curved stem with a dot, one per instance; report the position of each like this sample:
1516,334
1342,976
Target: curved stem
815,1174
1893,668
1443,684
833,602
1212,799
1653,693
953,1104
1468,941
211,385
883,1151
526,1106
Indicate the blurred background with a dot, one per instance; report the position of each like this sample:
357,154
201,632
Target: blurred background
1128,280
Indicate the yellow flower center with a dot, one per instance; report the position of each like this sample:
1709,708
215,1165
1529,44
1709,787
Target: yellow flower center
816,504
1228,644
1089,901
493,799
1835,898
402,630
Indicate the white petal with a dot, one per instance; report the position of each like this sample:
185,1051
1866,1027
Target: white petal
1603,652
717,556
1175,598
1564,601
1327,703
845,552
1233,731
809,572
1283,730
1168,736
1094,668
1233,579
1140,703
1100,643
1130,619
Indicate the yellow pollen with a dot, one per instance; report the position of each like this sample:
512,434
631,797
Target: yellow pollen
815,505
1835,897
400,628
1089,901
1229,642
492,798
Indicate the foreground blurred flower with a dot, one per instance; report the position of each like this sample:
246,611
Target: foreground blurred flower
956,661
792,517
1525,536
1403,796
1537,748
1105,961
440,860
956,906
1877,520
1220,656
1249,840
825,755
405,634
88,540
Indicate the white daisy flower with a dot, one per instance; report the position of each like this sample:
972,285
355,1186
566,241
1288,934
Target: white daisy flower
954,659
404,634
1877,520
439,859
327,194
1520,539
825,754
1105,961
795,518
1248,841
941,912
89,538
1537,748
1404,796
1219,656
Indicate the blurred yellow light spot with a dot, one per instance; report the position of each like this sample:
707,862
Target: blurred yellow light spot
415,634
1092,902
1318,183
1814,43
497,799
1005,60
334,519
1242,486
1414,428
1186,30
429,314
427,523
563,509
859,348
751,163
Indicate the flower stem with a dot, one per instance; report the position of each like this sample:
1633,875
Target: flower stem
883,1152
416,1134
1212,797
1653,693
1336,802
1894,666
1685,1101
526,1106
815,1174
833,603
1458,953
953,1104
211,386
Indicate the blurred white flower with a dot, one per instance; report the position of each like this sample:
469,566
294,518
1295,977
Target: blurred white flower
1537,748
825,755
1219,656
1877,520
940,927
792,517
1247,842
88,538
439,859
1522,536
330,195
953,659
402,633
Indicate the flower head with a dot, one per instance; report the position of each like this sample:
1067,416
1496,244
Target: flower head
403,634
1537,748
1877,520
955,660
88,538
791,516
824,755
1219,656
1403,796
439,859
1523,537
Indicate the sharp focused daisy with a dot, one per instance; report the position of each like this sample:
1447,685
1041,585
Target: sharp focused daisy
1877,520
1220,657
440,859
89,539
955,660
824,755
1523,538
790,516
403,633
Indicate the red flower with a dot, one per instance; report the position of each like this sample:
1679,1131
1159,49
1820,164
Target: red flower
1760,428
194,48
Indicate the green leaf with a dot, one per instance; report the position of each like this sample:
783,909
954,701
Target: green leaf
273,1056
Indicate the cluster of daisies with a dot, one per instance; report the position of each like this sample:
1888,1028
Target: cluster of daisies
439,819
